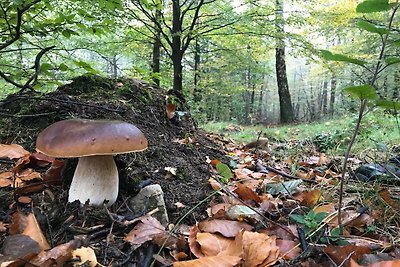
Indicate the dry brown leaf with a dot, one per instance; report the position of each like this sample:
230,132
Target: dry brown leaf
213,244
214,184
21,163
54,172
246,193
27,225
328,208
394,263
225,227
6,175
215,261
288,249
170,109
24,199
85,255
259,248
340,253
144,231
19,249
288,233
309,198
5,182
242,173
40,159
28,175
3,227
56,256
385,194
12,151
194,246
214,162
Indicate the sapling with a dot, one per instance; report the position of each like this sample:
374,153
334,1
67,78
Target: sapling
367,92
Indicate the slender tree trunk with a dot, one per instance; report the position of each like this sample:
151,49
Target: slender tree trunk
285,103
396,89
333,96
324,96
177,53
155,66
196,90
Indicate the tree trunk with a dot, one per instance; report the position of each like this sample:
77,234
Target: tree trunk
177,53
324,98
155,66
285,103
333,96
196,89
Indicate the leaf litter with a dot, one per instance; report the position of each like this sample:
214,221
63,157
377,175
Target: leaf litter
258,215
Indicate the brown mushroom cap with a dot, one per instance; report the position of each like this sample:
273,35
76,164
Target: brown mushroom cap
80,138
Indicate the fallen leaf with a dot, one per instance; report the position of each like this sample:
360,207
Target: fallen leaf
19,248
194,246
6,175
212,244
242,173
385,194
214,184
54,172
394,263
214,162
170,109
259,249
3,227
246,193
328,208
40,159
215,261
24,199
341,253
12,151
309,198
144,231
85,255
56,256
27,225
28,175
288,249
225,227
5,182
21,163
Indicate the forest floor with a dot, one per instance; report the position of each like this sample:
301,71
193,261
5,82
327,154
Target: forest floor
228,204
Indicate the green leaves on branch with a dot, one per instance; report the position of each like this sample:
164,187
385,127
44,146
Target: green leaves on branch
362,92
370,6
386,104
327,55
370,27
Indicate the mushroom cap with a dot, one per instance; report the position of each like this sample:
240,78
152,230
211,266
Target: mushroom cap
80,138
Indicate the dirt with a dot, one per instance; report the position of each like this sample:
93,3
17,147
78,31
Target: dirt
176,143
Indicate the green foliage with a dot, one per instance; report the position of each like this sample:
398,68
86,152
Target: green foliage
370,6
370,27
327,55
362,92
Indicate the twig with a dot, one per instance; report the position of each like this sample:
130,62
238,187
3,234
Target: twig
265,169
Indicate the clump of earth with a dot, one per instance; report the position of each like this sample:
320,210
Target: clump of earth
175,144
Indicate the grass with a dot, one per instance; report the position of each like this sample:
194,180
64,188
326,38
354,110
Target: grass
379,133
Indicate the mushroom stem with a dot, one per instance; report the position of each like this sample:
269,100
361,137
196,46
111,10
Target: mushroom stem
96,180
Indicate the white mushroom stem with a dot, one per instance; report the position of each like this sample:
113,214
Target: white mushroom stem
96,180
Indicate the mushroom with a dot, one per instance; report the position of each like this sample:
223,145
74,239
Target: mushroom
94,142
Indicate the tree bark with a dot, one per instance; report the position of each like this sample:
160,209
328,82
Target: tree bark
196,89
155,65
285,103
333,96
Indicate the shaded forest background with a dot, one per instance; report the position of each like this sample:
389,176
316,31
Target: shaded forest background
243,61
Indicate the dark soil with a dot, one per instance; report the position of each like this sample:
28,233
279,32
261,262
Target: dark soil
137,102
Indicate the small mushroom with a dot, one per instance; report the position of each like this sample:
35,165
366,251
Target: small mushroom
94,142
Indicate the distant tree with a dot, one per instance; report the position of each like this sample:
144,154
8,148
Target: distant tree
285,102
177,24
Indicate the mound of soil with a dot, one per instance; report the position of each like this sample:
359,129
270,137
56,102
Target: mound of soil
176,142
